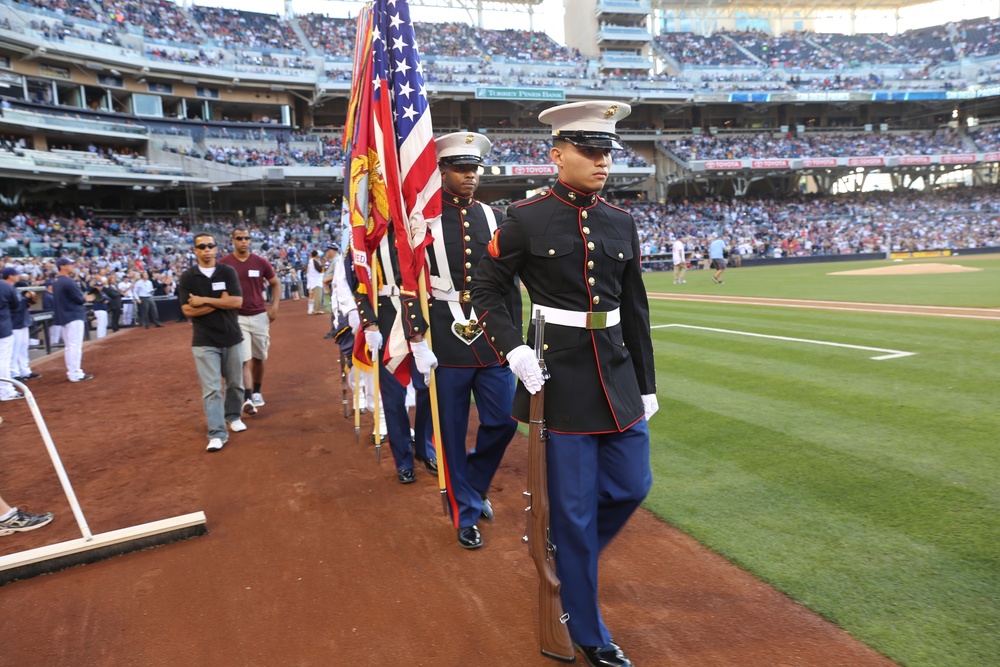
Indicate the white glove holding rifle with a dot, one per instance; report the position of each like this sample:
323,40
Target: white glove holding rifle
524,364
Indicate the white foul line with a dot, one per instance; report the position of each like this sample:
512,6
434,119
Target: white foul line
892,354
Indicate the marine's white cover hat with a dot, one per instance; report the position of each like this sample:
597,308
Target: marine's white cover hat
462,148
589,123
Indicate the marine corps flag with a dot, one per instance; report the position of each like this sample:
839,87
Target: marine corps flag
393,159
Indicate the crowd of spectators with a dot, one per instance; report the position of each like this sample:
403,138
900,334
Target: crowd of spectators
159,19
164,20
536,151
236,28
806,225
13,143
330,153
258,59
242,156
817,225
524,46
59,31
763,145
978,38
201,57
69,8
714,50
329,36
450,40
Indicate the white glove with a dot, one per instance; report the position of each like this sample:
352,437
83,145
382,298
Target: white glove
353,320
650,405
374,339
424,358
524,365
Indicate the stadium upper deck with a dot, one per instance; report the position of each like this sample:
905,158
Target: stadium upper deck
176,87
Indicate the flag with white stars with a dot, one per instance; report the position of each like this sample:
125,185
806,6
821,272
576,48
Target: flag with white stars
393,161
404,135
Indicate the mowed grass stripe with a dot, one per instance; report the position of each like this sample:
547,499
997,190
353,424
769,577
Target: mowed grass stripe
980,289
867,490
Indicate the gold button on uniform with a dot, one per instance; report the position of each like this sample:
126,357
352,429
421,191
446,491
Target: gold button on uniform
591,246
621,256
586,230
591,281
468,251
583,214
545,346
466,223
468,265
597,300
552,251
468,238
468,279
590,265
464,212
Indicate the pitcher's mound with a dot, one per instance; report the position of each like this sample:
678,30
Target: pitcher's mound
908,270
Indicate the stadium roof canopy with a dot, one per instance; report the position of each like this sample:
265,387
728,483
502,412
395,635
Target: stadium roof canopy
785,6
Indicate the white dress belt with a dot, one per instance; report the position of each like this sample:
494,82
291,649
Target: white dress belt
580,320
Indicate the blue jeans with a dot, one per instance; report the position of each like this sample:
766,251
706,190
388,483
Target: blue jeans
221,405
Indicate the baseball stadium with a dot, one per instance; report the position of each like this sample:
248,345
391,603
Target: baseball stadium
814,190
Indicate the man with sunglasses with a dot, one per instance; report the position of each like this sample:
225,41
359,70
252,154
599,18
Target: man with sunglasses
255,315
210,295
578,257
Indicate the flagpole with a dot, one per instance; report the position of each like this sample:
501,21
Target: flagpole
432,389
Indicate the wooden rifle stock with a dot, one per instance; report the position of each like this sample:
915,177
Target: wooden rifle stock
553,635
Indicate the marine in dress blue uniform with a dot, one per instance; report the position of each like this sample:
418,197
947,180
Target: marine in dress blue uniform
578,257
467,364
393,392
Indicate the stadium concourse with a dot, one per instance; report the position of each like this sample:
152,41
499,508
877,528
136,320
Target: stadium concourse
315,555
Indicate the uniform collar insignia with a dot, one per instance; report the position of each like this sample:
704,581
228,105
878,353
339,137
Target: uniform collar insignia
455,200
573,197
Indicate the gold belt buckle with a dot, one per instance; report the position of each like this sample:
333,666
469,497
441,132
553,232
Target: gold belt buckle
466,296
597,320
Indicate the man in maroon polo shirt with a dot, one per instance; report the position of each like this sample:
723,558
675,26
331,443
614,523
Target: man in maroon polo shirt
256,315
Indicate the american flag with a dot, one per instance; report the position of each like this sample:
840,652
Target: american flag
402,113
391,119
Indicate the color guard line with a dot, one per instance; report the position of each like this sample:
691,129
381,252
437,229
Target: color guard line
892,354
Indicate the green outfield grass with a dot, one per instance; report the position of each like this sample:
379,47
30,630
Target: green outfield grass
813,281
867,490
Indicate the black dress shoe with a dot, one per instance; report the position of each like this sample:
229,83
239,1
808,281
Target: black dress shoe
604,656
469,537
486,514
406,476
430,464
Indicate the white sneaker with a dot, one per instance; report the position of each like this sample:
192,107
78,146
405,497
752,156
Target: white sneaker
237,425
249,408
215,444
257,399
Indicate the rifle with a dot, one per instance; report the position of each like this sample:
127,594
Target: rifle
553,635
